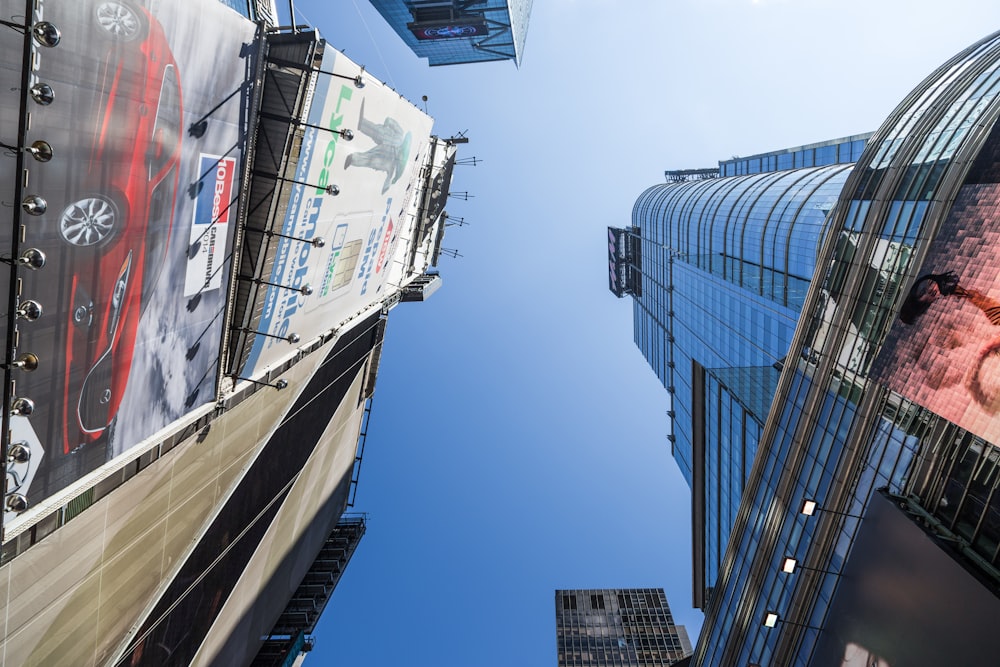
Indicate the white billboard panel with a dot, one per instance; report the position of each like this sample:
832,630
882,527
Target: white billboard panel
374,175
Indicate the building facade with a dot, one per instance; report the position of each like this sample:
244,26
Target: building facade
868,526
718,269
460,31
196,319
622,627
868,529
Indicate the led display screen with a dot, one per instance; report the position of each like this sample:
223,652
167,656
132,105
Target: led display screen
457,29
943,351
901,601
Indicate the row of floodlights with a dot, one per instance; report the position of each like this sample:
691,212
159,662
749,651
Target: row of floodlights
45,34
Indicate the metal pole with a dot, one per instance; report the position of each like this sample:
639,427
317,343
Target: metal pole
15,248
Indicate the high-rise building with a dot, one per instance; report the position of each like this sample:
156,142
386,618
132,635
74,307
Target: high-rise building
452,32
867,530
718,268
624,627
214,222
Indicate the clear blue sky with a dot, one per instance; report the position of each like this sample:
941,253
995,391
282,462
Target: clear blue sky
518,439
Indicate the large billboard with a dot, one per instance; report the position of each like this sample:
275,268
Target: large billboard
352,193
146,127
902,601
943,352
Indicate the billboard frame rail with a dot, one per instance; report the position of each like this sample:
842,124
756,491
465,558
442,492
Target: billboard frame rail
33,30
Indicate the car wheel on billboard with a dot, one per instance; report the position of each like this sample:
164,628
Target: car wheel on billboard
90,221
119,20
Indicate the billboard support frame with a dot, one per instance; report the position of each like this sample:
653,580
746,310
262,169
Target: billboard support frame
13,296
249,150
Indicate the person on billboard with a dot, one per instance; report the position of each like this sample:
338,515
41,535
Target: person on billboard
930,287
390,153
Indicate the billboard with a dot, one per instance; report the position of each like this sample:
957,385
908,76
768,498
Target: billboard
353,193
449,29
902,601
146,127
943,351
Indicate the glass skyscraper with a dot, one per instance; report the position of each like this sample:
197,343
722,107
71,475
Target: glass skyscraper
618,627
718,268
868,531
452,32
890,386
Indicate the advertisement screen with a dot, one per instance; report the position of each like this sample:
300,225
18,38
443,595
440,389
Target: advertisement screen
614,262
146,128
352,193
943,351
904,602
449,29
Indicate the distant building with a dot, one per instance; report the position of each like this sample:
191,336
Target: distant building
451,32
256,10
618,627
291,637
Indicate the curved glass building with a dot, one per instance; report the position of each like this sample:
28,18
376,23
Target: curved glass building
719,269
830,337
870,524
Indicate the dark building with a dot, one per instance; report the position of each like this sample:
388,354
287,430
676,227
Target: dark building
623,627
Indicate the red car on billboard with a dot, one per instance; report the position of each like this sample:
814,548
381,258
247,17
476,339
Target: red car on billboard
117,227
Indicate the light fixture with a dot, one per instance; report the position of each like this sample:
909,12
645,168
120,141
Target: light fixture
771,619
15,502
34,205
305,289
29,309
32,258
346,133
26,362
789,565
328,189
18,452
279,385
42,93
22,407
810,507
316,242
40,150
46,34
292,338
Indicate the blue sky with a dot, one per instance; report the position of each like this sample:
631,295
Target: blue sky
518,439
